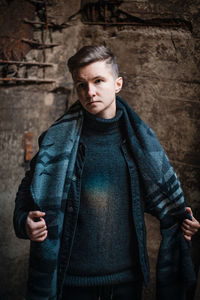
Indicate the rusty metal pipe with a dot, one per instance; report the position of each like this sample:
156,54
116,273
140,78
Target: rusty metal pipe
11,62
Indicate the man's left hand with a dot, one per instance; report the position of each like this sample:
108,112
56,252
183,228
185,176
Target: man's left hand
189,228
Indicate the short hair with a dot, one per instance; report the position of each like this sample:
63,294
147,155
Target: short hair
89,54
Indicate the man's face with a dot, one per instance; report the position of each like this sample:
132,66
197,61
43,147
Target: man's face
96,87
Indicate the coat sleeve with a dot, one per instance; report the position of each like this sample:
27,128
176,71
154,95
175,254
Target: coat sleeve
24,202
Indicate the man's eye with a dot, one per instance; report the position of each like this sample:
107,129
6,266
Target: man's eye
81,85
98,80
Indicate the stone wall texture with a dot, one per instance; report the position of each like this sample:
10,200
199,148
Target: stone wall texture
157,44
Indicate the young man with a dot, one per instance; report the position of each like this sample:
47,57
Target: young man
81,203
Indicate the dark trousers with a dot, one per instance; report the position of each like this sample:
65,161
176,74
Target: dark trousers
122,291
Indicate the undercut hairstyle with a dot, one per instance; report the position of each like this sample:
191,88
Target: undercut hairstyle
90,54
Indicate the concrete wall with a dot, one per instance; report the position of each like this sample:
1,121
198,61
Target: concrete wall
158,56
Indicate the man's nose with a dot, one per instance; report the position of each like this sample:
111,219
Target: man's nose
91,91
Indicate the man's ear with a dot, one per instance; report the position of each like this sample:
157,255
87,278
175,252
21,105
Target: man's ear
118,84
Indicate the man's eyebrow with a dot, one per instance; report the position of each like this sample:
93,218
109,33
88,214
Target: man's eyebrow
98,76
83,80
79,80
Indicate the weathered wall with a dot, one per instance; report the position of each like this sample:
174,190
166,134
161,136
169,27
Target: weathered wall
158,55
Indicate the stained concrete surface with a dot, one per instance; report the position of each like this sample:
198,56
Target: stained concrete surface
160,66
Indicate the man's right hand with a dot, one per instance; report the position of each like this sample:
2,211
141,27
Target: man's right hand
36,228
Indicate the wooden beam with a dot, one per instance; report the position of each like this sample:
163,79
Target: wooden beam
30,80
38,44
50,25
27,63
37,1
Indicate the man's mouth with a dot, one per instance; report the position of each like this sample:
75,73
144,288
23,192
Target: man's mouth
92,102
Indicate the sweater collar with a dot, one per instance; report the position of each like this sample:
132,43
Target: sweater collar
93,123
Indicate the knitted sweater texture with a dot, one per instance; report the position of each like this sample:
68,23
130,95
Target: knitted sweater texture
105,242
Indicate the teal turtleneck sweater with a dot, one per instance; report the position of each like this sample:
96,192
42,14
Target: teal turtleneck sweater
104,249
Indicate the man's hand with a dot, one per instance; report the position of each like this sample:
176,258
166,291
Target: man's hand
188,227
36,228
